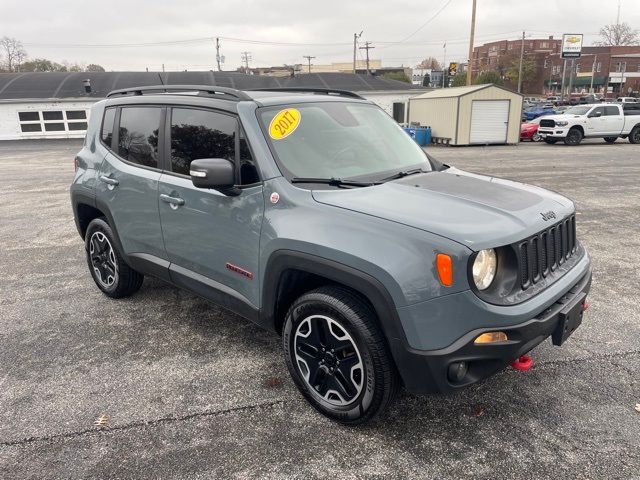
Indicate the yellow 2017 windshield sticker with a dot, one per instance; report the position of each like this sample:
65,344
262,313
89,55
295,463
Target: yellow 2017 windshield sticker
284,123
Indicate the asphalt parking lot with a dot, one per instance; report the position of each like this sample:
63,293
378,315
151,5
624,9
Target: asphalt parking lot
192,391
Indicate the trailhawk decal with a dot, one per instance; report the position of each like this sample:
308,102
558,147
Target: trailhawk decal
284,123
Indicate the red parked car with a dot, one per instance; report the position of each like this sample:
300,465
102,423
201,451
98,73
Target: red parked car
529,130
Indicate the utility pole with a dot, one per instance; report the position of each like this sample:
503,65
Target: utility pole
473,31
367,47
520,68
218,53
356,36
593,72
618,17
308,57
246,56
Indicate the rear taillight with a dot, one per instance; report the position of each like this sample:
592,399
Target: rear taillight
76,164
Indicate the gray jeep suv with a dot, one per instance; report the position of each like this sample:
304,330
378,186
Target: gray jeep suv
314,215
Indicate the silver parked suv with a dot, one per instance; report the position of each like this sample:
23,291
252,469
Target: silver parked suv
314,215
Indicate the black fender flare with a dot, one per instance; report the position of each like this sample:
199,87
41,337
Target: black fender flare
365,284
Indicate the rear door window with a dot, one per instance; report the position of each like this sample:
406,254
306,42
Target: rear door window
138,135
611,111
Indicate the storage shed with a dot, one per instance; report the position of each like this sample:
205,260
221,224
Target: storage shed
474,115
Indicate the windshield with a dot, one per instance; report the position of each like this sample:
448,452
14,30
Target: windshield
577,110
340,140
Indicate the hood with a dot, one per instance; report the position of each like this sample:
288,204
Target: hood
565,117
474,210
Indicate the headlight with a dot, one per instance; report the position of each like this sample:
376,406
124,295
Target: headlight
484,268
562,124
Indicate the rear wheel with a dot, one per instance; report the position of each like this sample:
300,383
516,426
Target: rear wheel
550,141
574,137
111,273
610,139
634,136
338,356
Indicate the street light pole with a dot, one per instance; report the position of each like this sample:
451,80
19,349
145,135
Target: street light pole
473,31
520,68
356,36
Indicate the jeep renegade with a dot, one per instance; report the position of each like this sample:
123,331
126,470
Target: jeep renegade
314,215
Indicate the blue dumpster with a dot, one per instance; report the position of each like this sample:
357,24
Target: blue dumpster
421,135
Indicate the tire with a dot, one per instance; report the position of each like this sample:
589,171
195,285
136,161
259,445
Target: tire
108,269
550,141
634,136
573,138
536,137
610,139
335,318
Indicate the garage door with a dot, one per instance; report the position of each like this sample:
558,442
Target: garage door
489,121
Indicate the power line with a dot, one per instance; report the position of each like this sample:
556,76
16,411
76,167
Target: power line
424,24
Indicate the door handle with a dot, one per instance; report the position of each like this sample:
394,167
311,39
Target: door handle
109,181
175,202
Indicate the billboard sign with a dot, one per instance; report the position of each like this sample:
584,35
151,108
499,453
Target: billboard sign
571,45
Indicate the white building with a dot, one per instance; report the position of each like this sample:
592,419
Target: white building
58,104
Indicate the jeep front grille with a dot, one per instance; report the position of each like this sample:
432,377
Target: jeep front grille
547,123
544,252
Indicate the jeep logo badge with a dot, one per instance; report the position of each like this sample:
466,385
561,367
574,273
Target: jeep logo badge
548,215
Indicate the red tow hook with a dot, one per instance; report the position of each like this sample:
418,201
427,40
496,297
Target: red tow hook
523,363
585,306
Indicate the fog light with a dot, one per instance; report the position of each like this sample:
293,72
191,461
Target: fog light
457,371
490,337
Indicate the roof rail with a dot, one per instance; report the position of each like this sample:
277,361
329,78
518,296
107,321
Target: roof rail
322,91
201,89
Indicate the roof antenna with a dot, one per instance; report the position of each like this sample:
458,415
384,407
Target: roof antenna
160,77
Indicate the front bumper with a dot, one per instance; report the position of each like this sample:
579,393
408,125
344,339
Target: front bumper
556,132
428,371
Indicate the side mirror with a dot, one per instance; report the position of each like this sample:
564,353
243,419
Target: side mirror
216,173
595,114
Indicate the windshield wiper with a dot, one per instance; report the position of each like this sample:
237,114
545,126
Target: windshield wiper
403,173
336,182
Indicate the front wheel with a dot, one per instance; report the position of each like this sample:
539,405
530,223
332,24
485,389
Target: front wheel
573,138
634,136
550,141
610,139
536,137
337,355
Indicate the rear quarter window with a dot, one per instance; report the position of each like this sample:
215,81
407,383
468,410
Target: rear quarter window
106,134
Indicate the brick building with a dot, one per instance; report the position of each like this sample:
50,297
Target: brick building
616,70
501,55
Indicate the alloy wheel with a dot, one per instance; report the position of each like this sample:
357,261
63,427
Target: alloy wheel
103,259
328,360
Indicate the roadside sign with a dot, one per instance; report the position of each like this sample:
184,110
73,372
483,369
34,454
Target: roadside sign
571,45
453,69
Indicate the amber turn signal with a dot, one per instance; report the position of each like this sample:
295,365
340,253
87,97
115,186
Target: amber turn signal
491,337
445,269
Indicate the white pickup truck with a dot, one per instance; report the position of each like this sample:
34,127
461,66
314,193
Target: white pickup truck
602,120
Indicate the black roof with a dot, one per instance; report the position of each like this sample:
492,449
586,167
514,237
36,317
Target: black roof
70,84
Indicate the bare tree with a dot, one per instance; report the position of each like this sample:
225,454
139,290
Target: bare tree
13,52
429,63
618,34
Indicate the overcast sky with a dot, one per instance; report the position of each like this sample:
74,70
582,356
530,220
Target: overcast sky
88,31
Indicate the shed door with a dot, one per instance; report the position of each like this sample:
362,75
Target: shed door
489,121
